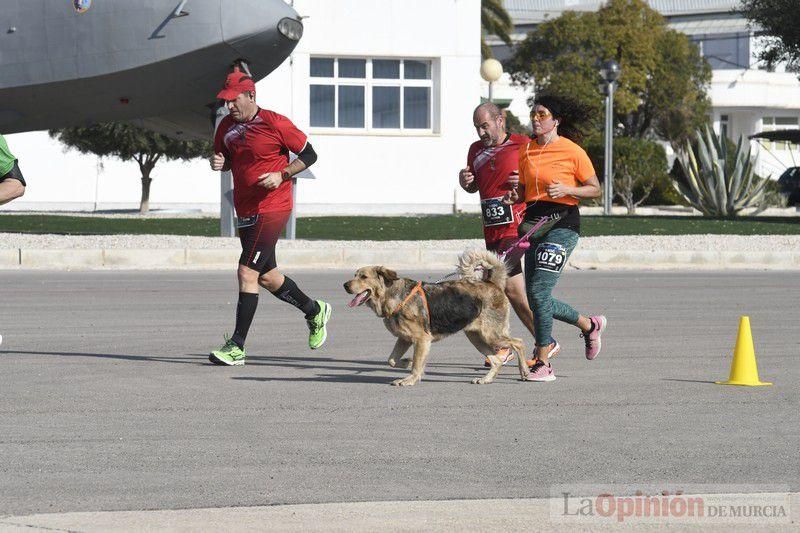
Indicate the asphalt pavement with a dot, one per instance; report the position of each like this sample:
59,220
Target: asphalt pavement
108,402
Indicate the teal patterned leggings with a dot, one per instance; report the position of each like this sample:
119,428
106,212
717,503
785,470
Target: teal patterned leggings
544,261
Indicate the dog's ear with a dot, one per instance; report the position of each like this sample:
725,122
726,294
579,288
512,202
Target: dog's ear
387,274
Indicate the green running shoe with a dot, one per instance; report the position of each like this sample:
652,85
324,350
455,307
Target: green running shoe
317,332
229,354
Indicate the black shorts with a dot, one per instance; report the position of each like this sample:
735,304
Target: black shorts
15,174
501,246
259,236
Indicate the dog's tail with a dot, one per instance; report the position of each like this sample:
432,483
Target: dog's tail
480,265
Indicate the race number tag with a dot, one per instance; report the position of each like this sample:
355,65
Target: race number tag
495,212
550,256
246,222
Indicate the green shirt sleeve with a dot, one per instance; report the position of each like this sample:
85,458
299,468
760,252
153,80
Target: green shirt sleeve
6,158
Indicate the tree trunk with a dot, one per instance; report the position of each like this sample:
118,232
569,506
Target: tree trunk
146,164
623,188
144,205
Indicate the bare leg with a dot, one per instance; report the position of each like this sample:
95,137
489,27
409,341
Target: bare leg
248,279
515,291
271,280
584,323
9,189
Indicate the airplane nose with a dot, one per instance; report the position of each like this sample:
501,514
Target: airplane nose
263,31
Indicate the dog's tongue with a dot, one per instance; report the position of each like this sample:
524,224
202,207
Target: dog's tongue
359,299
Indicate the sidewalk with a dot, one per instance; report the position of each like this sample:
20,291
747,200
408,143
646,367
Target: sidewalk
449,515
17,252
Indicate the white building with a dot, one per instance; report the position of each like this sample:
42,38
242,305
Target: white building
746,98
385,89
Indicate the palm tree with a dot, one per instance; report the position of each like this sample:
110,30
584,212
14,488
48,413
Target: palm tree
494,21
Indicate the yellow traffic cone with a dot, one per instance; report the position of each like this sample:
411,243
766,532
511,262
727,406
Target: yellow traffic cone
744,370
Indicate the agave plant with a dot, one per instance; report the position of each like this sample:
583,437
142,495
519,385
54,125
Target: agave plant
715,184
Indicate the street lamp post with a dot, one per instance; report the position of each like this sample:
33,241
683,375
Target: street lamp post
610,72
491,71
227,225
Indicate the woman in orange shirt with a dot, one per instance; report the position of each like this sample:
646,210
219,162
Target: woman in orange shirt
554,175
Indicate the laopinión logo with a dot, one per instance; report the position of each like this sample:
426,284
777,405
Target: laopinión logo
670,503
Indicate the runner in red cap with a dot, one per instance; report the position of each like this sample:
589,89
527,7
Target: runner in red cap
254,144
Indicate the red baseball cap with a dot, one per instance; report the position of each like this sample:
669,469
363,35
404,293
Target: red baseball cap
235,84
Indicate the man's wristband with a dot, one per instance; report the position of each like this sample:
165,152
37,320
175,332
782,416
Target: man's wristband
285,175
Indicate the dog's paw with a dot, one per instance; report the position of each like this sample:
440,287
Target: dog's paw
405,382
402,363
481,381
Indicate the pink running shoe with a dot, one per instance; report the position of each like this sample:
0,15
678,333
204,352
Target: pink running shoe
542,372
592,339
555,348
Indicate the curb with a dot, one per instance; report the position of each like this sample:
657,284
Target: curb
352,257
424,515
686,259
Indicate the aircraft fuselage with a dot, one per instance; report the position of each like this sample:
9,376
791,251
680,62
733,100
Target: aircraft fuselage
161,61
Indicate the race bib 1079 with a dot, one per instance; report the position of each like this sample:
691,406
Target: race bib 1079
550,256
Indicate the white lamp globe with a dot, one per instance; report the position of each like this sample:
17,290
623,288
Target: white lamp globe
491,70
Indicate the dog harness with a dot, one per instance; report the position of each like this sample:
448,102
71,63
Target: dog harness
416,290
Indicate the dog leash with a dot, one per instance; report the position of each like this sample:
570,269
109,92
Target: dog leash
522,244
445,278
519,245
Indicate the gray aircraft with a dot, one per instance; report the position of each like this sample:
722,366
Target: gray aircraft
157,62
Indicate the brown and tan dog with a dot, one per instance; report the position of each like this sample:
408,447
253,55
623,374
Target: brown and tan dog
421,313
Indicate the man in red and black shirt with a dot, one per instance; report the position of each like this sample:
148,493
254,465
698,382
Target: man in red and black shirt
254,144
490,161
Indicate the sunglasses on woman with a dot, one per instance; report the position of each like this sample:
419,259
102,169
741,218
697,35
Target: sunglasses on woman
541,115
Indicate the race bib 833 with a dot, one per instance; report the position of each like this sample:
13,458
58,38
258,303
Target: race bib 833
495,212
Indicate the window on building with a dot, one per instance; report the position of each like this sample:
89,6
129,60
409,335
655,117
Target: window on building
371,94
724,130
779,123
726,51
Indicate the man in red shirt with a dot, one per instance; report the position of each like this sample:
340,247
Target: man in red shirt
254,144
490,161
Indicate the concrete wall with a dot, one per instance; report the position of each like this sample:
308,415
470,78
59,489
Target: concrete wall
70,181
380,172
746,97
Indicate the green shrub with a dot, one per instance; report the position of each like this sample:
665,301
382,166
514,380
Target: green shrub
718,181
640,170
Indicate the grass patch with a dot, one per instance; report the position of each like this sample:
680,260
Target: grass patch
469,227
433,227
596,226
68,225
